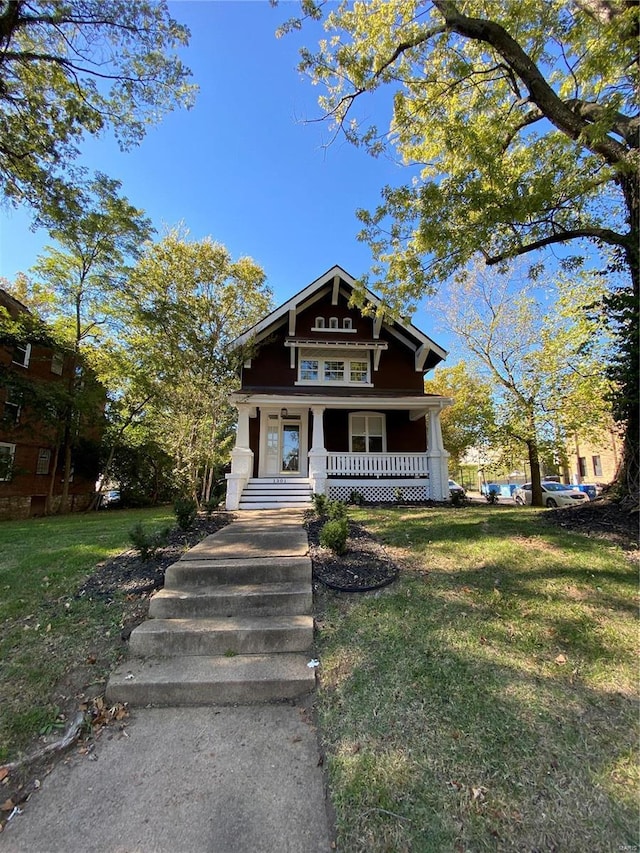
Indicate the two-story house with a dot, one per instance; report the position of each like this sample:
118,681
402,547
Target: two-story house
332,401
33,375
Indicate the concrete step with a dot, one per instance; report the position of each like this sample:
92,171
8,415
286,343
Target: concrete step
204,680
254,539
236,635
231,600
189,572
266,504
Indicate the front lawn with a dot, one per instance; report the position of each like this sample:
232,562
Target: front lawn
52,641
487,700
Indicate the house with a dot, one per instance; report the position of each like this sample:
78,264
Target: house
595,460
332,401
33,376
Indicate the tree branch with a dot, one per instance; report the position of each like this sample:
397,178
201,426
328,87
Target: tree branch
604,234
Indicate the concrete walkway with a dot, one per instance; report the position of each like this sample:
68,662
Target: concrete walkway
216,779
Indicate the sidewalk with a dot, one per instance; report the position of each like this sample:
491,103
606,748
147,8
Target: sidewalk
215,779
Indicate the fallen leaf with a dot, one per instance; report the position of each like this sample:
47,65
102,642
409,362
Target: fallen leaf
7,806
561,659
4,772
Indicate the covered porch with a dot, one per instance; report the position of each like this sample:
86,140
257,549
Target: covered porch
380,447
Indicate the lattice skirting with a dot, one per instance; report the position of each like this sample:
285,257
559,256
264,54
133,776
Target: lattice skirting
379,490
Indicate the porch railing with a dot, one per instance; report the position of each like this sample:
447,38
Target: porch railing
377,465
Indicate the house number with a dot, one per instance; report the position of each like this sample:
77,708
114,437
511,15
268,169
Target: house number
279,480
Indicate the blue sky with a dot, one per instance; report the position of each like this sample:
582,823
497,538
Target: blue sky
244,166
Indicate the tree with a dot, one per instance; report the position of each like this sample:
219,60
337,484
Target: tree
185,301
545,362
78,67
519,126
97,231
469,422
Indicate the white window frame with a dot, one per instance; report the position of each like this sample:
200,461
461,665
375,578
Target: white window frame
27,355
334,325
366,416
11,453
16,407
319,325
345,380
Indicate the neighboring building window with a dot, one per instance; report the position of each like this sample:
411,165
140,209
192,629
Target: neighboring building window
7,452
44,459
57,363
367,431
597,466
11,412
582,466
333,322
22,354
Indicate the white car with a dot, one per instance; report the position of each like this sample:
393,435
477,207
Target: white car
553,494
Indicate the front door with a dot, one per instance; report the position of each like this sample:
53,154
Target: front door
283,451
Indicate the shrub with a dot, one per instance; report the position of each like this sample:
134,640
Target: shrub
356,498
145,543
337,509
458,499
186,510
320,504
334,535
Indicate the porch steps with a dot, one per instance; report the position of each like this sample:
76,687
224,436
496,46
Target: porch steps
233,623
276,493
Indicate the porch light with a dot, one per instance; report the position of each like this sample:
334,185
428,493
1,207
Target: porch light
284,413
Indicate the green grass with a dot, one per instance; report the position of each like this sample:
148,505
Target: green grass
51,641
488,699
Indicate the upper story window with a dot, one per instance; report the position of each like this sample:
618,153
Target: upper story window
7,452
44,460
22,354
329,370
333,323
57,363
11,413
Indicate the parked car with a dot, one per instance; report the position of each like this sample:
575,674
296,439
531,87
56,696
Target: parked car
553,494
110,498
456,489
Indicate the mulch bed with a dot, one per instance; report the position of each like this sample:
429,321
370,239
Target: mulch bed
130,574
364,566
603,518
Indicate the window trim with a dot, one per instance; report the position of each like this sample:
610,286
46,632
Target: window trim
12,405
346,361
366,415
57,360
27,355
43,453
12,455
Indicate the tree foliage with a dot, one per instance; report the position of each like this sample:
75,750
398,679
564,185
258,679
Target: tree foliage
79,67
185,301
470,421
542,350
518,124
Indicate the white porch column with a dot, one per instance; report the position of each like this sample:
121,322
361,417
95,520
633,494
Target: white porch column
241,459
318,453
438,458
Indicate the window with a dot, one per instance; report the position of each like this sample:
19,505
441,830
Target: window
316,367
11,413
44,459
319,323
582,466
7,452
597,466
358,371
333,322
346,323
57,363
309,370
334,371
22,354
367,432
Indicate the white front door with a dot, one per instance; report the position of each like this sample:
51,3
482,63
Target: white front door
283,445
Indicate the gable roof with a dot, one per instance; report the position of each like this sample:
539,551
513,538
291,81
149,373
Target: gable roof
336,280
